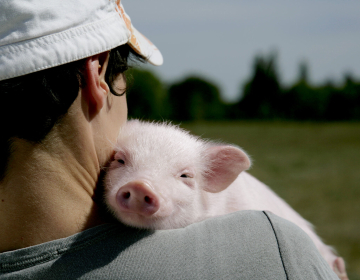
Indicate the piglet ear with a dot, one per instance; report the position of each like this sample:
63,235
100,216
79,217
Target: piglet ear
225,165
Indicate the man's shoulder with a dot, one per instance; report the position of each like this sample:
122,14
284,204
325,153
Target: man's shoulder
241,245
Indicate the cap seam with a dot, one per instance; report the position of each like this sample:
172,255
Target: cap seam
20,46
65,61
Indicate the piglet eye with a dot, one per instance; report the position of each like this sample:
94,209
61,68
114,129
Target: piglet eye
121,161
184,176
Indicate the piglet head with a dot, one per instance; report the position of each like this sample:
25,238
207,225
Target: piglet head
143,190
224,163
160,171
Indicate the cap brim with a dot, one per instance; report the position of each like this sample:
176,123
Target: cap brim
145,48
139,43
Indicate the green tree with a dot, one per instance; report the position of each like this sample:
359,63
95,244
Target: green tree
195,98
305,102
344,104
262,93
146,95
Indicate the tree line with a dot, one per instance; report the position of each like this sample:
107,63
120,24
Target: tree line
263,97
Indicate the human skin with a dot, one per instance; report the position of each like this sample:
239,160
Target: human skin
49,189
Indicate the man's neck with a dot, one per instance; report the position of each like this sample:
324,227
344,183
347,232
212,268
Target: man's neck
46,196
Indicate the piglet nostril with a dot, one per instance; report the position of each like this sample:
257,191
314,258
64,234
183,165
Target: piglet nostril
148,199
126,195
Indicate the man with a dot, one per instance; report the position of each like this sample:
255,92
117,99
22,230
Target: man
62,88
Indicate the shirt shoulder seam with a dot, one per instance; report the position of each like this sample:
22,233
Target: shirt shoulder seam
278,244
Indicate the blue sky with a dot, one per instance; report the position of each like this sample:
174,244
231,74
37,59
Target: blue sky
218,39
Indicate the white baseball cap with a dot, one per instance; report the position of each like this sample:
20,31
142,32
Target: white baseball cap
40,34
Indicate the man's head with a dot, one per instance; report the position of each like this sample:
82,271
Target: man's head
44,60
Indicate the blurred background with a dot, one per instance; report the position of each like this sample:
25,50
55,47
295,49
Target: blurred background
281,79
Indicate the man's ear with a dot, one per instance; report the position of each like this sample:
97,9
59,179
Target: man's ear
96,89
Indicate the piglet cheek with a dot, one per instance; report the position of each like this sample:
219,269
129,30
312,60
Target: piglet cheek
189,182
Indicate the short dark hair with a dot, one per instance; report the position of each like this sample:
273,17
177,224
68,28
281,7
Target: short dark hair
32,104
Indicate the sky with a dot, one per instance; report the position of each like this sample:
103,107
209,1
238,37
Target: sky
219,39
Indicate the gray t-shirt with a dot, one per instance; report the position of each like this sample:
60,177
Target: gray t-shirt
242,245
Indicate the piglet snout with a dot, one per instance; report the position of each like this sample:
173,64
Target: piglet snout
137,197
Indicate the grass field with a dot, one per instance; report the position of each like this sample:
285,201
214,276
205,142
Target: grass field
315,167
